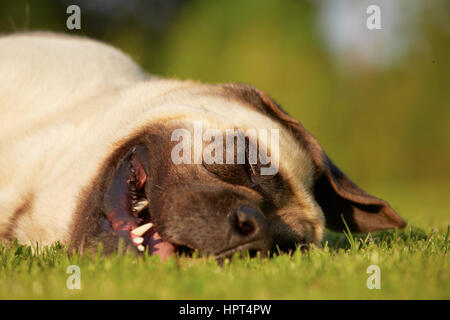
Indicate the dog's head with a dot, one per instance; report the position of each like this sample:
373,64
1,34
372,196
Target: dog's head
183,200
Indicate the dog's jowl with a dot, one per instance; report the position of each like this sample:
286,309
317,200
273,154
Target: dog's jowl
86,157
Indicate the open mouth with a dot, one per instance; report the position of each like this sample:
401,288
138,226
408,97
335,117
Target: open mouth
127,208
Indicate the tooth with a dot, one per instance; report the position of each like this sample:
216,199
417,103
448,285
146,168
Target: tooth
140,205
139,231
138,240
141,248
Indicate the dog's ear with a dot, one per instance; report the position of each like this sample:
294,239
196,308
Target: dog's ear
336,194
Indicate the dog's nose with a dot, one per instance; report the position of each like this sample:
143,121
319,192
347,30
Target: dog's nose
250,231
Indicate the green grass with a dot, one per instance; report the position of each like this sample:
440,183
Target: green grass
387,128
414,264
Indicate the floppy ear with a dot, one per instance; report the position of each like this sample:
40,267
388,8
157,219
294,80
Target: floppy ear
336,194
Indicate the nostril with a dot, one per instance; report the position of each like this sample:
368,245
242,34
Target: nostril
246,228
246,221
249,233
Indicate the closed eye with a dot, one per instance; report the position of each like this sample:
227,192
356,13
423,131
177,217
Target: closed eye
230,173
252,173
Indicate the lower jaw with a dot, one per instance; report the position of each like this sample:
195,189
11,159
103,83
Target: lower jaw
157,246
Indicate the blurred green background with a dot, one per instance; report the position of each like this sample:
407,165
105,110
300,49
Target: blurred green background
377,100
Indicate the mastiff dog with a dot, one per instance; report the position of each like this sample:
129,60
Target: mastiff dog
94,150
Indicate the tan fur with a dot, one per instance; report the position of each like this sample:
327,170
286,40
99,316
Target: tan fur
67,102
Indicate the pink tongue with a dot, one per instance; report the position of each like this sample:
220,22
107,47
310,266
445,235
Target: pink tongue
157,245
